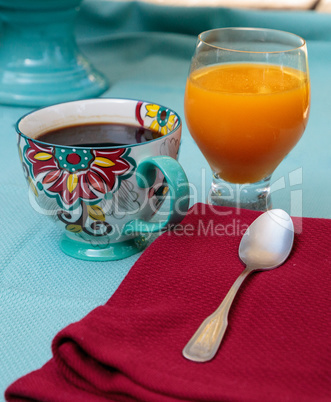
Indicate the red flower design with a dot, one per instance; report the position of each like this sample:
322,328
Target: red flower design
71,174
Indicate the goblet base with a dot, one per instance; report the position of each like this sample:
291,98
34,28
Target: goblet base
102,252
40,61
41,89
254,196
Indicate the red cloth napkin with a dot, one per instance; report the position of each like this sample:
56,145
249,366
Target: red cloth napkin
276,348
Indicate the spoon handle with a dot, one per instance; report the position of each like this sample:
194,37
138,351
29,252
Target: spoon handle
205,342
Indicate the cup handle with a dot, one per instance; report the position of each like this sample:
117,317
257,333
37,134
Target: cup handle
178,189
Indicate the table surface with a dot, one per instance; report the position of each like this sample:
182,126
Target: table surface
145,52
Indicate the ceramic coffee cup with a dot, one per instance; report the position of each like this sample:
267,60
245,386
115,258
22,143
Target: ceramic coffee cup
101,189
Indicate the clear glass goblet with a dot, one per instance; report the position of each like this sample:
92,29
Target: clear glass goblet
247,103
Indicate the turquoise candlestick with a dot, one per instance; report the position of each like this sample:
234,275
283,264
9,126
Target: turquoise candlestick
40,62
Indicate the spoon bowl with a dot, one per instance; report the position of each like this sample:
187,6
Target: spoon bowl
265,245
268,240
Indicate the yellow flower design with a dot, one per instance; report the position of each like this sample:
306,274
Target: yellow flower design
164,120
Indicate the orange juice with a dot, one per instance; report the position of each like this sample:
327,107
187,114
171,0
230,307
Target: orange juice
246,117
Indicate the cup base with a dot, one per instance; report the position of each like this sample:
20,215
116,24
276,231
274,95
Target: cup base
253,196
107,252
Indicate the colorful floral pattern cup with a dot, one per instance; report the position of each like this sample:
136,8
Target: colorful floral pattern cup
104,198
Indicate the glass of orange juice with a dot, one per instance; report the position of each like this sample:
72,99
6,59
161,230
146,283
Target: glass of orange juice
247,103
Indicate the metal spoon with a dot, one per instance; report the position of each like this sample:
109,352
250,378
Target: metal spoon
265,245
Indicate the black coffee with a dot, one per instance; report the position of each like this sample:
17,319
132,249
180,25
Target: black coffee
99,135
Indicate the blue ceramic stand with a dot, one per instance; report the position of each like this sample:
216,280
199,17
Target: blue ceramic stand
40,62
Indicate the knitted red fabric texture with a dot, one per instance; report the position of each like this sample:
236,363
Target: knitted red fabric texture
276,348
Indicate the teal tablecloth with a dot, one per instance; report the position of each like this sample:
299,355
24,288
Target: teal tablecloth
145,52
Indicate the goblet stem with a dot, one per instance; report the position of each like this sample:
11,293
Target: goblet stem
254,196
40,62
